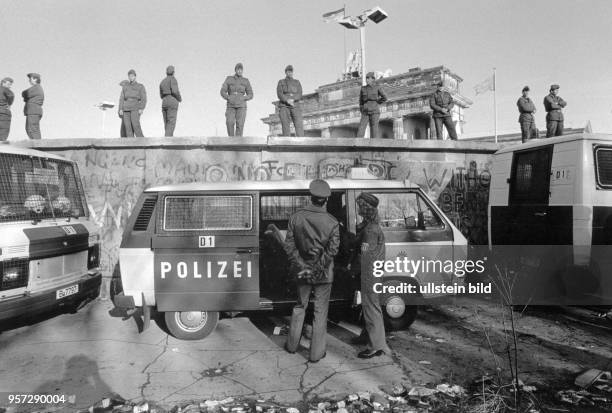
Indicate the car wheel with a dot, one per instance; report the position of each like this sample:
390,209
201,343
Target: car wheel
398,315
191,325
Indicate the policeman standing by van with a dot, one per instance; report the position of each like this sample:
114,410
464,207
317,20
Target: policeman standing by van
370,98
236,90
312,242
526,119
554,117
441,102
289,93
6,100
170,95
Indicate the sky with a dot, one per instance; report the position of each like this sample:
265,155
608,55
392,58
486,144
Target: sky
83,49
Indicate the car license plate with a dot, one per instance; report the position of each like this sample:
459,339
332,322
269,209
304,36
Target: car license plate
65,292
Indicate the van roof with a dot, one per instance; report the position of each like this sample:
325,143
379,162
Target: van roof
17,150
534,143
293,184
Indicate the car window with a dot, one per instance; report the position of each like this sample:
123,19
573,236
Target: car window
405,210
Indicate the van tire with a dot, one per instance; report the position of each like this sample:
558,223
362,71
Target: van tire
397,313
403,322
178,325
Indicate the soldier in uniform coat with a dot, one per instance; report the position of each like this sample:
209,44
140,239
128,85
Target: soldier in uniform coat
370,98
236,90
441,102
289,92
312,242
132,101
6,100
34,98
170,95
527,108
554,116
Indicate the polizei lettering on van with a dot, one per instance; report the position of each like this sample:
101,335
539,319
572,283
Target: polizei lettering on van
206,269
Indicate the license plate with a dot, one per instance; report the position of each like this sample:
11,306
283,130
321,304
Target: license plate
65,292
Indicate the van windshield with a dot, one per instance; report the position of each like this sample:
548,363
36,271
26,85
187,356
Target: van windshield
33,188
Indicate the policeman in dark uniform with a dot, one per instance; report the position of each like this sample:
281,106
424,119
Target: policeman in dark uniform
132,101
441,102
170,95
6,100
527,108
289,92
236,90
554,117
34,98
370,97
312,242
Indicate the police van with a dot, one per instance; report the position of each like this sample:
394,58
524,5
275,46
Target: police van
550,205
191,251
49,249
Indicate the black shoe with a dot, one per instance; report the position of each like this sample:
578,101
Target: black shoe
368,354
316,361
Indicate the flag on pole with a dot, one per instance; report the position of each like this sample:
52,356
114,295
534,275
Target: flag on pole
334,16
485,85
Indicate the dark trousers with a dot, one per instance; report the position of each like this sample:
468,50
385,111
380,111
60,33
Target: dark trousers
169,115
450,127
131,120
528,130
322,293
554,128
373,319
294,114
372,119
234,117
5,128
32,126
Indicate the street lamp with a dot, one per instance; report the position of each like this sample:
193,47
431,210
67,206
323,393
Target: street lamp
104,106
375,14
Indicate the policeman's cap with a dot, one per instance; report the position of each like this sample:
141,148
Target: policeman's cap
7,79
319,188
170,70
370,75
289,68
238,66
553,87
526,89
132,72
34,76
369,199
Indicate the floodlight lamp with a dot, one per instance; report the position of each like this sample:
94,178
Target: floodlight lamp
376,14
349,23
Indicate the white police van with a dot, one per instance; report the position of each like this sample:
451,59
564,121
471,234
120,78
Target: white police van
191,251
49,249
554,197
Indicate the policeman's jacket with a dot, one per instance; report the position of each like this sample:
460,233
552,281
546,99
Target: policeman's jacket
553,105
370,97
33,98
526,108
133,97
236,90
371,243
313,240
169,92
288,89
6,99
440,101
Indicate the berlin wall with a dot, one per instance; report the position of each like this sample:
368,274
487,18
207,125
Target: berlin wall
115,171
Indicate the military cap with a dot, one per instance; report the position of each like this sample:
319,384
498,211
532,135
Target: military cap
170,70
132,72
371,75
7,79
34,76
289,68
319,188
369,199
238,66
525,89
553,87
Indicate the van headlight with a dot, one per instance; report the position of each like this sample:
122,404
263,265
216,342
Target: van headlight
93,256
14,274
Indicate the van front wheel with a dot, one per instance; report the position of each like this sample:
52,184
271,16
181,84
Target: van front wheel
191,325
398,315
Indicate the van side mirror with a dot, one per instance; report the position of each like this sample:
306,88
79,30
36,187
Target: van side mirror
420,220
410,222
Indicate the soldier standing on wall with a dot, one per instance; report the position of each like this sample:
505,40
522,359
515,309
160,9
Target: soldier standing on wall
441,102
33,98
312,242
170,95
526,119
289,92
6,100
236,90
132,102
370,97
554,117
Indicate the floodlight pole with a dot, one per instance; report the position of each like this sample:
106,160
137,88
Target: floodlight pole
103,121
363,57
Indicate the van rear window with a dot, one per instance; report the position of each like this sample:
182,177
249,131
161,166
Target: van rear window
208,212
603,165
